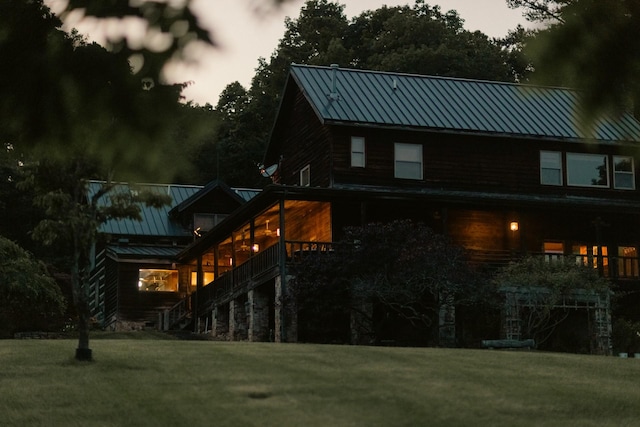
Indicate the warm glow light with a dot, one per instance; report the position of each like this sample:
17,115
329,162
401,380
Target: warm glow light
514,226
278,232
255,247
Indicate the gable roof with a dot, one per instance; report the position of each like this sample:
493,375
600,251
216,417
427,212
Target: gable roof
157,222
376,98
240,195
154,221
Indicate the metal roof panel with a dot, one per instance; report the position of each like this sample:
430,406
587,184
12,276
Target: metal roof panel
443,103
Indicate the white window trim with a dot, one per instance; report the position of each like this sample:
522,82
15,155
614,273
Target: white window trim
420,160
355,163
606,157
305,176
632,173
558,168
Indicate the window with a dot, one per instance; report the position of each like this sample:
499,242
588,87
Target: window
408,161
207,277
627,261
553,251
357,152
305,176
623,174
155,280
587,170
550,168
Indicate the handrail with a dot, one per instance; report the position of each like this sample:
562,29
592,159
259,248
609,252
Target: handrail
171,317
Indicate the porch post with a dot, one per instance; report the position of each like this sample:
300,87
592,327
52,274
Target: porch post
281,286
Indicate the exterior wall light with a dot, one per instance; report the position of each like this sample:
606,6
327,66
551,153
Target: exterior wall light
514,226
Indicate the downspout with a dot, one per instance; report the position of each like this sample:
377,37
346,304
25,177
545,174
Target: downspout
283,268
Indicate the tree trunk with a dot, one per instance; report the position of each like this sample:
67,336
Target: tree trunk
79,280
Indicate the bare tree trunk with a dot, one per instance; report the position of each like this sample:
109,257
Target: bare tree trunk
79,283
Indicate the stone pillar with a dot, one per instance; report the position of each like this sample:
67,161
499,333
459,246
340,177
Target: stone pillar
361,326
447,323
220,322
237,319
286,323
258,315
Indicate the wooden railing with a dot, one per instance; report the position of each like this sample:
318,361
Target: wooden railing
170,318
268,259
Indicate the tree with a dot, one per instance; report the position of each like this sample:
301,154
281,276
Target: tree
79,113
395,278
544,285
590,45
29,297
419,39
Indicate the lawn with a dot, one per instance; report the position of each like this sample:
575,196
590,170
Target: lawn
206,383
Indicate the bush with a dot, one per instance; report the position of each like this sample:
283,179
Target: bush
29,298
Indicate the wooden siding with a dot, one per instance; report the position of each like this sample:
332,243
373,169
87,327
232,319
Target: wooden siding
303,141
136,306
462,162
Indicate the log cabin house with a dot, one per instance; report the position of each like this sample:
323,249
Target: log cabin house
502,169
135,275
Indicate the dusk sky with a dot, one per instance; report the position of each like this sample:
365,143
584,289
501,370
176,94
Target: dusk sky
245,34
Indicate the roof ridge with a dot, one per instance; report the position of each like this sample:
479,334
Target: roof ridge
434,77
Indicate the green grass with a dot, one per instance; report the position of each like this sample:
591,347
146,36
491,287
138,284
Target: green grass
135,382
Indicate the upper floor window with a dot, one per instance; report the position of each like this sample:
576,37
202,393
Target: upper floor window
357,152
551,167
305,176
408,161
587,170
623,173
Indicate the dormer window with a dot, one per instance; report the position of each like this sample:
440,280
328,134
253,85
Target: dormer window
305,176
357,152
551,168
587,170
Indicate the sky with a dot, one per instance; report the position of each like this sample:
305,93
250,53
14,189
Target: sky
246,30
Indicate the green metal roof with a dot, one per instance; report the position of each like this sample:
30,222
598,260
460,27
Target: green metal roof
363,97
144,251
155,222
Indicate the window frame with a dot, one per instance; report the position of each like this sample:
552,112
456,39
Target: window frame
355,152
546,166
419,160
305,176
576,156
616,173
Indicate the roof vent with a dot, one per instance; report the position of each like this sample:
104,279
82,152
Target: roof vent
334,83
394,85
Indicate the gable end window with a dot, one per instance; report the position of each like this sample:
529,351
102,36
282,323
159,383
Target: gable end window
550,168
623,173
408,161
357,152
305,176
587,170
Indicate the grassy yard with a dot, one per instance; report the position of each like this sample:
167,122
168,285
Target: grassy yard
206,383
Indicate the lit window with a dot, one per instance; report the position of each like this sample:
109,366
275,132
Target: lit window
587,170
627,261
207,276
550,168
623,173
408,161
157,280
305,176
357,152
553,251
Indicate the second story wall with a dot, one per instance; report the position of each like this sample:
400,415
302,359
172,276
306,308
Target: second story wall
480,163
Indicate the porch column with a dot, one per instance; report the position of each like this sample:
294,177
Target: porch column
447,322
360,325
237,319
258,303
220,321
286,322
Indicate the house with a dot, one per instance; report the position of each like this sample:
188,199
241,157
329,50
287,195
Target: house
502,169
135,276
